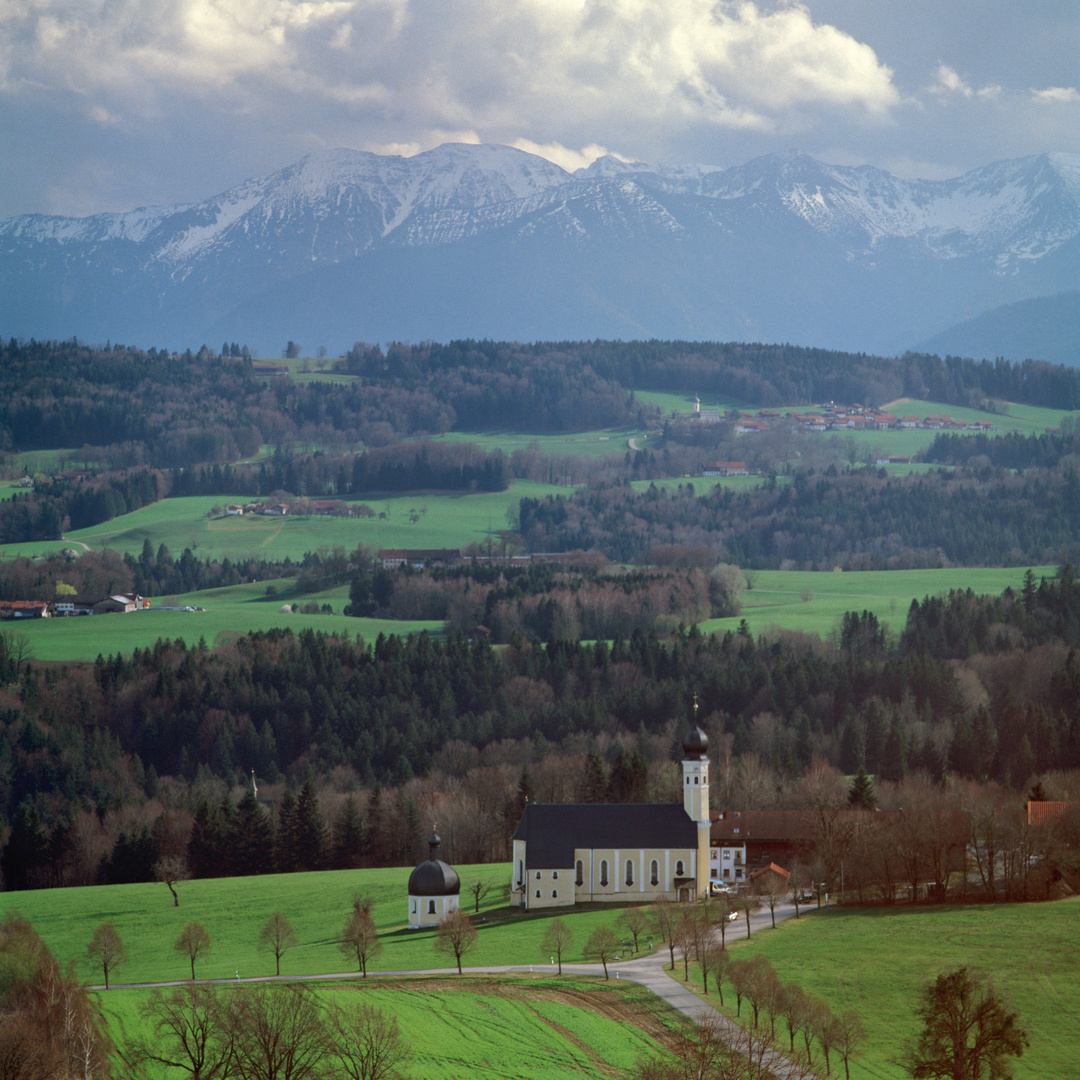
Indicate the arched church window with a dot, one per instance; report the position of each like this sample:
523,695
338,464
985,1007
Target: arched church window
580,879
629,872
654,873
431,907
603,873
679,871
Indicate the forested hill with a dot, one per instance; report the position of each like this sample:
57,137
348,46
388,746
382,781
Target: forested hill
87,737
857,521
751,373
167,410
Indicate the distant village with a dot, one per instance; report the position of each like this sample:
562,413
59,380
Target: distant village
830,417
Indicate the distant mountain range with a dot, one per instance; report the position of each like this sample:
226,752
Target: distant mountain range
488,241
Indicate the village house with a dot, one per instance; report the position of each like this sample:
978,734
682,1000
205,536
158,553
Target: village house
25,609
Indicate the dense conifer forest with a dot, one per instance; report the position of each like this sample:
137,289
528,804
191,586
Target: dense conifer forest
983,688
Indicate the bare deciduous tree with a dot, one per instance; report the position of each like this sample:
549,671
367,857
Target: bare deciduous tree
359,938
666,916
968,1031
188,1032
277,1033
771,888
602,945
557,938
194,942
107,949
277,936
456,934
367,1042
479,889
170,870
635,920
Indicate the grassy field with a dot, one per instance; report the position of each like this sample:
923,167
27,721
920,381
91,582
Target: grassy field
239,609
535,1028
233,911
592,444
875,961
421,520
815,602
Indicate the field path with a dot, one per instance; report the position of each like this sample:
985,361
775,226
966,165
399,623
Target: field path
649,971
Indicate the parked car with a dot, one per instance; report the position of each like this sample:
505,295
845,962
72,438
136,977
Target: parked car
732,916
718,888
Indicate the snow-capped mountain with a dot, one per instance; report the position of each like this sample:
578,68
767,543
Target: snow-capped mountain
488,241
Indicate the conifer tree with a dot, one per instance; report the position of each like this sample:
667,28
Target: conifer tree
350,837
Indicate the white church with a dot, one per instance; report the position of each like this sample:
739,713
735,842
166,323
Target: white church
594,852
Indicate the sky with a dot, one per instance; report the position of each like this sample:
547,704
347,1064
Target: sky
107,105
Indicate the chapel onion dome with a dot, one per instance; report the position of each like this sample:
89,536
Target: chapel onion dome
695,745
434,877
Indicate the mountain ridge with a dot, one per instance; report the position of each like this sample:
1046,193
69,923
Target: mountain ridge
783,245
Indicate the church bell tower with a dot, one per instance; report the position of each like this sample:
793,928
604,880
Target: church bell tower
695,770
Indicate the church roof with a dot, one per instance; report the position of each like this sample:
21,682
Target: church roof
434,878
553,831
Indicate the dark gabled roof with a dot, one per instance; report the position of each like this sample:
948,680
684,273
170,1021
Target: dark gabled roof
552,832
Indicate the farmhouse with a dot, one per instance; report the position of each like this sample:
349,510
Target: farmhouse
725,468
24,609
417,558
96,604
596,852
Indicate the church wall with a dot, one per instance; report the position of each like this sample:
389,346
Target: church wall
430,910
595,887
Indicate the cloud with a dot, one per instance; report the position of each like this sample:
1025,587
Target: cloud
562,155
1057,95
950,82
481,64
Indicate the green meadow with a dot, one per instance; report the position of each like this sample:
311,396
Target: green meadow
420,520
874,961
814,602
529,1027
233,910
601,443
807,601
239,609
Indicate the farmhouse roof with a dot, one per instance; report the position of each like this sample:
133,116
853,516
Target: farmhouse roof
1044,812
553,832
742,825
779,871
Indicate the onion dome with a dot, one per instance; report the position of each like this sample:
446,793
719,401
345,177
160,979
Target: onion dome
695,745
434,877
